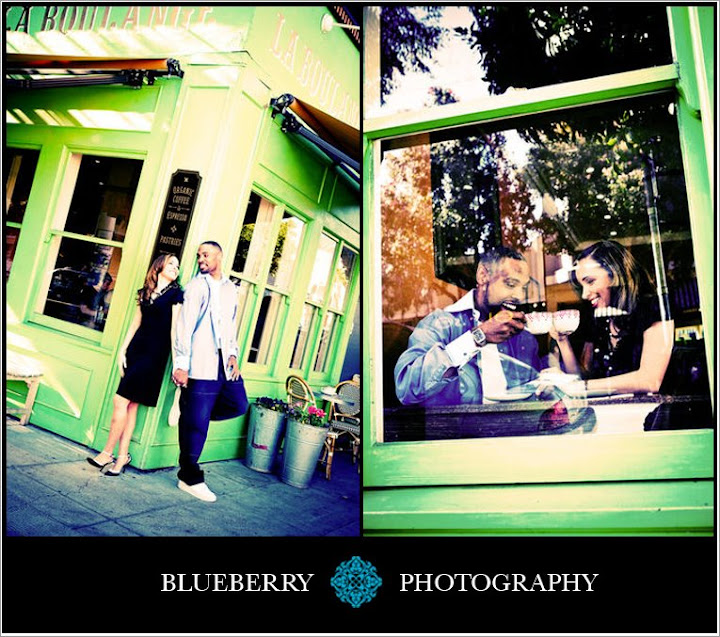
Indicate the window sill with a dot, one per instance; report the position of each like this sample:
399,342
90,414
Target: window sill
656,455
646,508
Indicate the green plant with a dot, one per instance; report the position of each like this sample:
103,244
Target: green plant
276,404
312,416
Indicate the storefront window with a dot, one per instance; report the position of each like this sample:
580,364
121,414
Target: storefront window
254,237
253,257
19,168
435,55
550,189
87,250
331,271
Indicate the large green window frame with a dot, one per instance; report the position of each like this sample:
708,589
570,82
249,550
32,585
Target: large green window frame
331,316
275,237
275,301
537,461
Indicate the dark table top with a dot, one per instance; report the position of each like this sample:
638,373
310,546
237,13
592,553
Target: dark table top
534,417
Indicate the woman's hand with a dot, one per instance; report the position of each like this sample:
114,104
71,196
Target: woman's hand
180,377
122,363
233,368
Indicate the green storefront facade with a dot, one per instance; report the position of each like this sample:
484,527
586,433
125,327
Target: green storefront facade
632,482
285,213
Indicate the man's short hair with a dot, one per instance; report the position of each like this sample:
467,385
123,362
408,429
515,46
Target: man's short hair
490,258
212,243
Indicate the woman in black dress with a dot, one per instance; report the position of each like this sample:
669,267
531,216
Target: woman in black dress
628,346
142,359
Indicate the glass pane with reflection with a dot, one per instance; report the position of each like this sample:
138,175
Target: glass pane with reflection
329,326
254,237
321,269
265,328
342,278
587,214
82,283
103,197
302,340
435,55
287,248
19,168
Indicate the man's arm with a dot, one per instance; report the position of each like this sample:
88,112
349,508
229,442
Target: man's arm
184,328
426,367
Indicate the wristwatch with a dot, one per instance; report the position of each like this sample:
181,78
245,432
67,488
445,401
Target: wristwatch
478,336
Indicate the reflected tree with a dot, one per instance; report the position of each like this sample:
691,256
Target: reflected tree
526,46
586,165
410,36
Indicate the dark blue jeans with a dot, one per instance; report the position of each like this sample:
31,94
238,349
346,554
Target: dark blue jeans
200,402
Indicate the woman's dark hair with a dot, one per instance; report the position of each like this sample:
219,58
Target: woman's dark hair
629,279
151,278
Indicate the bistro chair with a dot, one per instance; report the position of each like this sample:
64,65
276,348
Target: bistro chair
344,419
29,371
299,393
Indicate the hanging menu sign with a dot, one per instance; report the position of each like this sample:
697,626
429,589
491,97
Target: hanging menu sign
177,212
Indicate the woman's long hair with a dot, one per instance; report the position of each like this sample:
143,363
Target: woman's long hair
629,279
151,278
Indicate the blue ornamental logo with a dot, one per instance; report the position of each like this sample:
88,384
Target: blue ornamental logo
356,581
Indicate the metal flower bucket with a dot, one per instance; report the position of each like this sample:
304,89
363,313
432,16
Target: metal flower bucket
265,429
303,444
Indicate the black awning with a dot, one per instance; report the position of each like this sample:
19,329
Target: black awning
336,139
53,71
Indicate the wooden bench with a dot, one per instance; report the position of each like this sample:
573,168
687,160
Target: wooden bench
27,370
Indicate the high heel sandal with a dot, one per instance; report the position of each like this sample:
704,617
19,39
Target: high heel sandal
108,472
101,465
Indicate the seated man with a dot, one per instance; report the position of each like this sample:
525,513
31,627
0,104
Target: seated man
474,347
94,303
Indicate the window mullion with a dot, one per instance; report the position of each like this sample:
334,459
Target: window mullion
85,238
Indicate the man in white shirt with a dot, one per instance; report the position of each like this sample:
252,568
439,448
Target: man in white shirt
474,348
206,365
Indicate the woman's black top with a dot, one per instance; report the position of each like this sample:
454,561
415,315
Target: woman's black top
625,356
148,352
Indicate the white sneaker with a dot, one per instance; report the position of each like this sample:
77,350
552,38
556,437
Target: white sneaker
199,490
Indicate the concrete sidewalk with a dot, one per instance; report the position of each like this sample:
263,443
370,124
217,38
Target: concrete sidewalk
51,490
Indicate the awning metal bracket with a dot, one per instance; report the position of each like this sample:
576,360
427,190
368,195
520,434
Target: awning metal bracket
292,124
135,78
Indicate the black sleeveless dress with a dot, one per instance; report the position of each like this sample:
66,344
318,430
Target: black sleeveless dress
148,352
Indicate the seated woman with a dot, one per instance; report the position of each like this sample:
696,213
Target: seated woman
628,346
